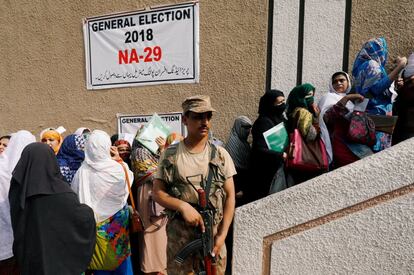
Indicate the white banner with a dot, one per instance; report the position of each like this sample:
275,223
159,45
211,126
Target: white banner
147,47
129,124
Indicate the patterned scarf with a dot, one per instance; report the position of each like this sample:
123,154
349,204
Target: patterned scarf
369,65
71,155
144,163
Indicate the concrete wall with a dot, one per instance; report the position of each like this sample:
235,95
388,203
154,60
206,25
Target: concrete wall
320,52
42,75
358,219
391,19
308,43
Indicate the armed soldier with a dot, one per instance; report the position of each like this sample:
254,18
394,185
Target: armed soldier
192,167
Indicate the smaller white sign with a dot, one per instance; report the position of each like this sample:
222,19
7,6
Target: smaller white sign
131,123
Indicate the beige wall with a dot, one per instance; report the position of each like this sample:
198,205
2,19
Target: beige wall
390,19
43,66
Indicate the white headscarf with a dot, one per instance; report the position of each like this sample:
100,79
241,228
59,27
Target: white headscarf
325,103
8,161
80,130
100,181
409,69
59,129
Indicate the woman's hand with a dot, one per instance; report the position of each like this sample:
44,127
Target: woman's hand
355,97
114,153
284,156
315,109
401,62
160,141
399,83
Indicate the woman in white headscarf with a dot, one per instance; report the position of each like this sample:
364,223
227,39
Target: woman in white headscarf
83,131
8,161
336,107
101,184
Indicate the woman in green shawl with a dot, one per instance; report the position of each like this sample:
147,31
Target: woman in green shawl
302,111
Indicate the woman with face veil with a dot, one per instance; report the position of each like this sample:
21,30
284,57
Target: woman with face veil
53,232
265,162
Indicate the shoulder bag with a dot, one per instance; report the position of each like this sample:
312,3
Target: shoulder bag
361,129
135,222
307,156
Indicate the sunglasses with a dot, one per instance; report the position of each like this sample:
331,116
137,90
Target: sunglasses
200,116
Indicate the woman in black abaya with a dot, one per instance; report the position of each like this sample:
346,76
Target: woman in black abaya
265,162
53,232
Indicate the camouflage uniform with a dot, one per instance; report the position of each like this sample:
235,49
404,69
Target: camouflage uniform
179,233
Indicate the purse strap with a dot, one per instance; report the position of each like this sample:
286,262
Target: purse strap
129,186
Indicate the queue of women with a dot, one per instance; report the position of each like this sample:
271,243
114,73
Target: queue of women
64,201
64,207
329,123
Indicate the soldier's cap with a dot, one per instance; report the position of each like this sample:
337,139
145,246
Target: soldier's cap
197,104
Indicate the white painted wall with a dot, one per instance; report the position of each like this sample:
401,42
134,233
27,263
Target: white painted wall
285,44
376,240
323,43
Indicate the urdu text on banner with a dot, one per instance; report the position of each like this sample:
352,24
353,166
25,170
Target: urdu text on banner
146,47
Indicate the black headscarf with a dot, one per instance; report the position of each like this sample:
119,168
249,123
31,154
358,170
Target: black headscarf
264,162
267,108
53,232
38,173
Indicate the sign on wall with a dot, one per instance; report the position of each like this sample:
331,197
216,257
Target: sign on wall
129,124
151,46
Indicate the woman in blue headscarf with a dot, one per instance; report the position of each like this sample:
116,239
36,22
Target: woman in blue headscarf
70,156
372,81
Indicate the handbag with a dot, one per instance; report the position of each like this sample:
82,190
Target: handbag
361,129
135,221
105,256
384,123
279,181
306,156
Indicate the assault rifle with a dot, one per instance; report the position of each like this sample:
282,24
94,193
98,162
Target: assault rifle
205,243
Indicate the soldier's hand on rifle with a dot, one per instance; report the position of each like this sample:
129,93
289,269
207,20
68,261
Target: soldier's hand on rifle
191,216
218,243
